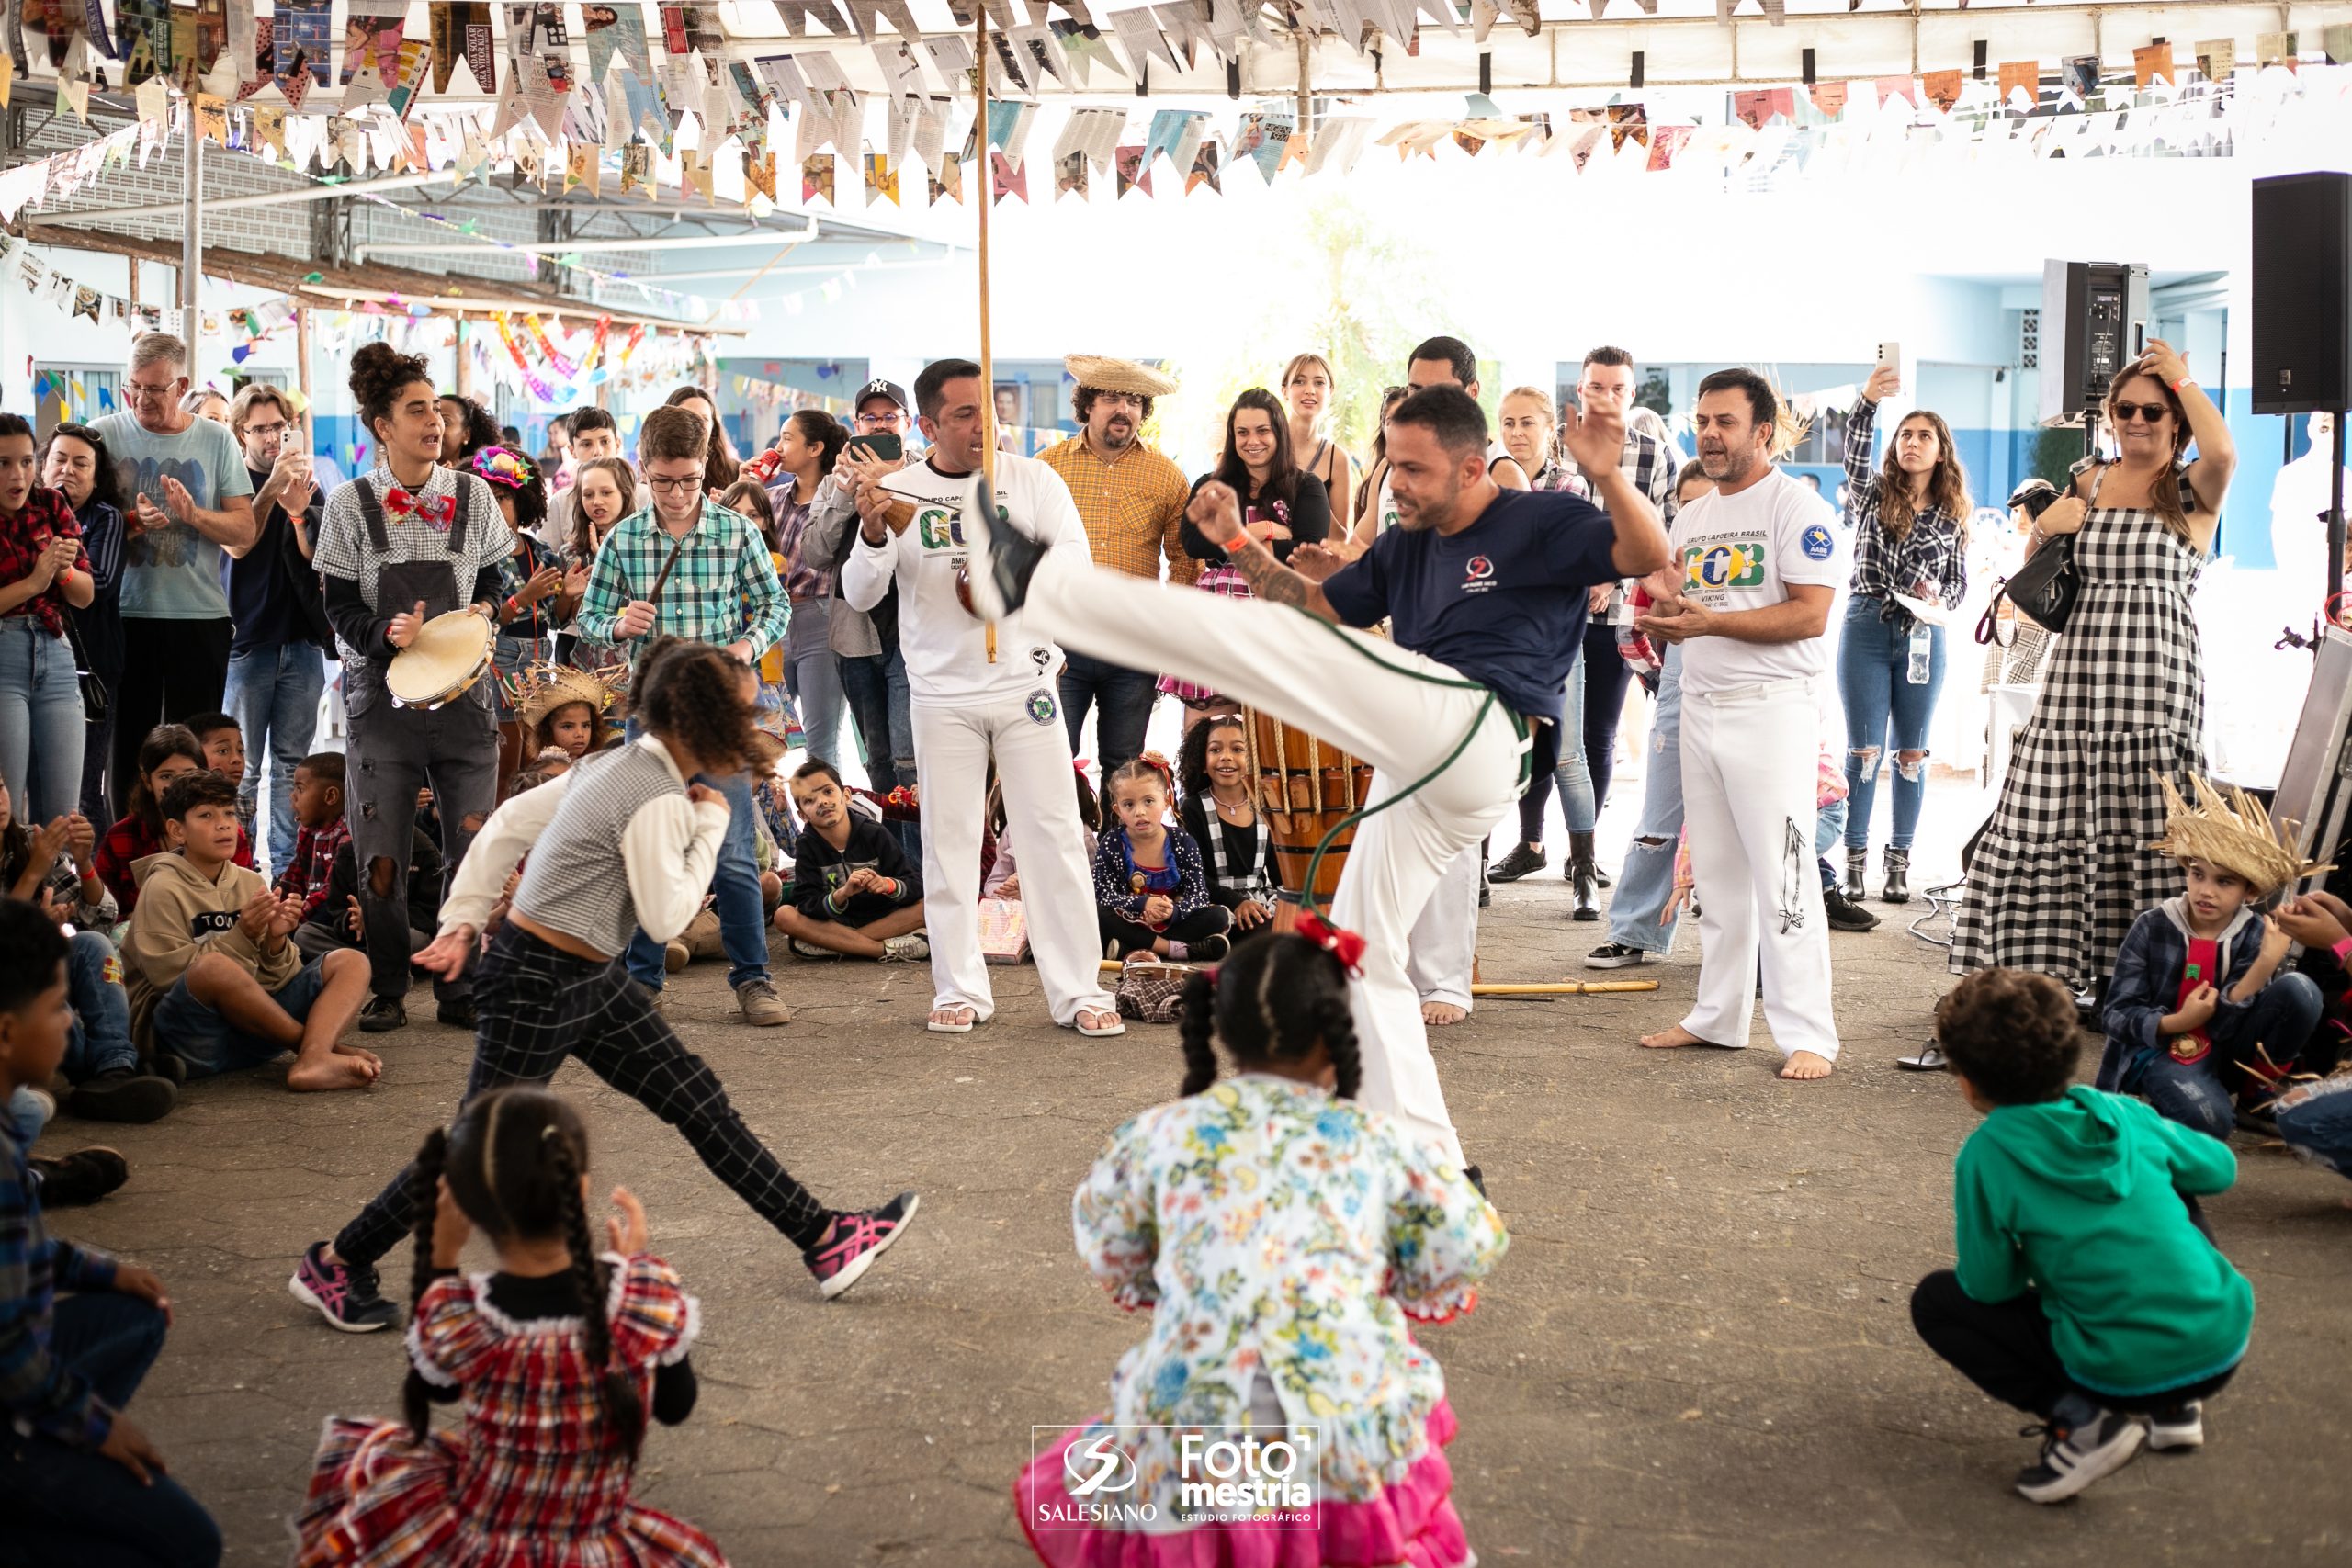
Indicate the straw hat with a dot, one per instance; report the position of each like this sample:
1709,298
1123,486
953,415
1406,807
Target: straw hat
559,685
2234,835
1107,375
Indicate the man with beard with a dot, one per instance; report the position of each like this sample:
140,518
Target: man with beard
1485,590
1758,566
1131,498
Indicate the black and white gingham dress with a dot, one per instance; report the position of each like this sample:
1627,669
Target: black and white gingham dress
2064,867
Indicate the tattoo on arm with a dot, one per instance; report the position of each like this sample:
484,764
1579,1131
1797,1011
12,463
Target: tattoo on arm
1268,577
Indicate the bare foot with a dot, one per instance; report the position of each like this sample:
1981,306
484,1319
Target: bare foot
1104,1020
1804,1065
953,1019
1438,1014
1668,1039
369,1058
332,1071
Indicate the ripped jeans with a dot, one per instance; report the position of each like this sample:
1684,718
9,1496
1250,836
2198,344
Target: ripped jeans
1873,682
394,752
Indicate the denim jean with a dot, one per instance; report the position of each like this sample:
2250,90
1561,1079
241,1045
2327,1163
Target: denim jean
273,697
100,1041
65,1505
1873,679
2320,1128
1125,696
29,1112
1827,828
2201,1094
1637,908
42,722
875,686
815,679
1575,779
742,914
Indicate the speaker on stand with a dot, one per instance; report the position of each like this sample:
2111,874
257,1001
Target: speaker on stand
2303,320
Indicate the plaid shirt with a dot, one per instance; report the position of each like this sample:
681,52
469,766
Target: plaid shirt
724,589
1936,549
536,620
1132,509
1650,463
38,1391
22,537
311,870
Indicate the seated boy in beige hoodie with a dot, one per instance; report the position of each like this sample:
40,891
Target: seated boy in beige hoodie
214,982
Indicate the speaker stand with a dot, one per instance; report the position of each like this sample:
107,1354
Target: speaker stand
2334,518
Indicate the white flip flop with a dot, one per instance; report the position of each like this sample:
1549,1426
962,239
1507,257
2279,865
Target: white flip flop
964,1028
1118,1024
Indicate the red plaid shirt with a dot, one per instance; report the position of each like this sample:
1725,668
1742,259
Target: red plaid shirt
24,536
307,874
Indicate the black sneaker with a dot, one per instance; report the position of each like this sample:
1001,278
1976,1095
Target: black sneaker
1844,914
1000,558
83,1177
2173,1428
347,1295
122,1095
1208,950
1615,955
169,1065
2074,1457
1520,862
382,1015
855,1241
458,1013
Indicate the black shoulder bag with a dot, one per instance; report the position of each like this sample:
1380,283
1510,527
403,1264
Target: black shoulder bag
2044,588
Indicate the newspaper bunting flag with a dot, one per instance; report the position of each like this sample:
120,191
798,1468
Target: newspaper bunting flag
1009,181
881,178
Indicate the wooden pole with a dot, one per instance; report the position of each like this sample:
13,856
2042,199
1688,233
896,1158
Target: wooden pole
988,357
1567,988
464,378
303,375
192,248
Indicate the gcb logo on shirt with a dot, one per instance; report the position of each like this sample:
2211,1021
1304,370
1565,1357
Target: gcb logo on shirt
939,528
1737,564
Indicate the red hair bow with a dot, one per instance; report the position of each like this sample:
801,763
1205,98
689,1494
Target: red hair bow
1338,940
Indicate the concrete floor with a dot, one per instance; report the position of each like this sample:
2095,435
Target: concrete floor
1697,1353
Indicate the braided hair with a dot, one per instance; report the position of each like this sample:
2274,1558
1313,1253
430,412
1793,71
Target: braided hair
1269,1002
424,1201
514,1163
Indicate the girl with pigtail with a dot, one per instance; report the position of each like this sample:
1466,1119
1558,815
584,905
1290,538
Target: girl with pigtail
1148,883
560,1339
1280,1234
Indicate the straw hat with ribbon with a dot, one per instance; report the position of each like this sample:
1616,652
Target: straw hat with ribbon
560,685
2234,834
1107,375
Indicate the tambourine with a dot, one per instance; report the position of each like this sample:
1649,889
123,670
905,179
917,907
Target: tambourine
449,654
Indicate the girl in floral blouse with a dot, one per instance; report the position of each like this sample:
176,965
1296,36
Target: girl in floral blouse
1280,1235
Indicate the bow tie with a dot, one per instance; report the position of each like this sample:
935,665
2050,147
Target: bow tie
435,514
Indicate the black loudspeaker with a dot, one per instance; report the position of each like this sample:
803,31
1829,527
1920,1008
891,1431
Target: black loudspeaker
2094,323
2302,293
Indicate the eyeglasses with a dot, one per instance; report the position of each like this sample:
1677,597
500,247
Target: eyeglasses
2151,412
279,429
880,420
142,391
674,486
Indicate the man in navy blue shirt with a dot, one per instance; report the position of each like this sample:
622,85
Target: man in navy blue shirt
1485,590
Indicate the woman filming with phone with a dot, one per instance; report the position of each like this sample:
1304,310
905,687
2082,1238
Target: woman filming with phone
1910,520
2063,867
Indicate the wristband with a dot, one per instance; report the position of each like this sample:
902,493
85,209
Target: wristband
2343,950
2184,381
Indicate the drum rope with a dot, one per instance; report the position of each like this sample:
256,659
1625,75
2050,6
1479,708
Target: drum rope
1307,901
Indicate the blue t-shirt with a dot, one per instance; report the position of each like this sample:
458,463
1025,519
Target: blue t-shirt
1502,601
174,573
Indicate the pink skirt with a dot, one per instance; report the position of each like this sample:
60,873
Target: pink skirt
1410,1523
1227,583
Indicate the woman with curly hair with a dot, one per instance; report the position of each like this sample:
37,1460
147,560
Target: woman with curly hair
619,844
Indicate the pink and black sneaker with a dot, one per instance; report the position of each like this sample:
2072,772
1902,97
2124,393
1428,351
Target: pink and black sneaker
348,1298
849,1248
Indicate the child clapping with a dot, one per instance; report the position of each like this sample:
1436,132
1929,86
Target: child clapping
1154,896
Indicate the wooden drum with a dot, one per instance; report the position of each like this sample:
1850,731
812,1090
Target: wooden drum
1305,787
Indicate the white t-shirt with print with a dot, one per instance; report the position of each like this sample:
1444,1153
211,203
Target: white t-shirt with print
1744,552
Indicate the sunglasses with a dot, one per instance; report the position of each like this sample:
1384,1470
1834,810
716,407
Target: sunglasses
2152,412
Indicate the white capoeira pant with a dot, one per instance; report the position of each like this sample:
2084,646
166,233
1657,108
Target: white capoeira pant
1357,693
1443,947
1750,782
952,744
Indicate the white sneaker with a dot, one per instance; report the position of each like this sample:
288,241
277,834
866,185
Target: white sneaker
2072,1460
912,948
2179,1425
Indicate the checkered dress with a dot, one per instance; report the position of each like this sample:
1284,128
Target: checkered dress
2064,867
532,1478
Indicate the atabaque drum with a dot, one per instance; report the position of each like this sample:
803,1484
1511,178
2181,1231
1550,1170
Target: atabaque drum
1305,788
448,655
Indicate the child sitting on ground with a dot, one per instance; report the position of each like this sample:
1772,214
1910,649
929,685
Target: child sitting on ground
1280,1236
2197,983
854,894
79,1481
223,742
214,980
169,751
2313,1115
565,711
1220,814
1003,878
320,832
54,864
2085,1289
338,922
558,1359
1152,896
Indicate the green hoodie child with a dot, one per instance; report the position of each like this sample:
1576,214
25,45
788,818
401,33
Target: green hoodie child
2086,1288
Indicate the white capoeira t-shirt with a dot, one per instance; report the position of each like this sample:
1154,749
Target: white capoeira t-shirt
1744,552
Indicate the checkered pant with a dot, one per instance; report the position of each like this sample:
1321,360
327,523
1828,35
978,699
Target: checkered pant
537,1006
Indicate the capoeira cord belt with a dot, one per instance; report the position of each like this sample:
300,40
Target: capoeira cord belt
1307,901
